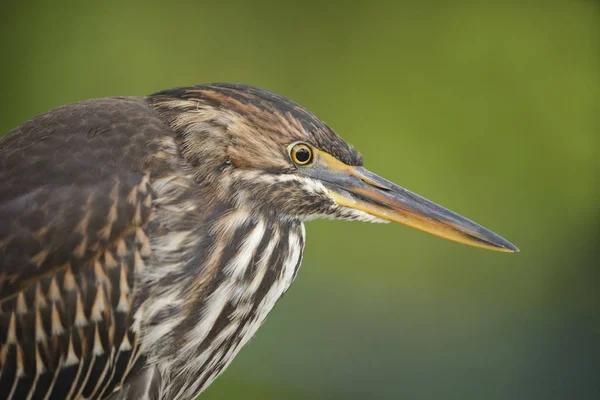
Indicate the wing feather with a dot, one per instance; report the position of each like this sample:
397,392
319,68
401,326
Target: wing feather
61,310
75,201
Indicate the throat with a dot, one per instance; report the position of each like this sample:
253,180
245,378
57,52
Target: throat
249,262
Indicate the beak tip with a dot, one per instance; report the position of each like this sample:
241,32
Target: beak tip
515,249
508,247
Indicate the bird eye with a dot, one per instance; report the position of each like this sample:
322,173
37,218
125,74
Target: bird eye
301,154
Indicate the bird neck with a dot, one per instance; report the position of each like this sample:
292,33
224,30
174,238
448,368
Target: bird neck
237,267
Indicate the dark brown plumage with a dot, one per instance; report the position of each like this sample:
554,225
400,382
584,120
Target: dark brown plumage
144,240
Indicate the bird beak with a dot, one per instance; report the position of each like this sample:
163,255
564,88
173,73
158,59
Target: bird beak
360,189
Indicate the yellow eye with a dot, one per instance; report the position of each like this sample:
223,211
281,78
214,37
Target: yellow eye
301,154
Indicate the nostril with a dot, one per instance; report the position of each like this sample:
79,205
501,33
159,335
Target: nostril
371,183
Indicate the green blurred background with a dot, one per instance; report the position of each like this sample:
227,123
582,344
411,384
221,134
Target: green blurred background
492,110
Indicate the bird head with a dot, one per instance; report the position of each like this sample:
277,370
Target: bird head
272,155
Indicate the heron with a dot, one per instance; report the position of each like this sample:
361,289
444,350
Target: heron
144,240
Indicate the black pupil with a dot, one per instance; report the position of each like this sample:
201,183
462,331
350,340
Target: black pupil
302,155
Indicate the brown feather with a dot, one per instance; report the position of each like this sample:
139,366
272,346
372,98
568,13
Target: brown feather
144,240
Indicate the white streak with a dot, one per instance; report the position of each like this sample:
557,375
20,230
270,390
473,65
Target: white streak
125,344
71,356
98,350
173,242
290,264
276,291
241,262
231,221
263,264
211,311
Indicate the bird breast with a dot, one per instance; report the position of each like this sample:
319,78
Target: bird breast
215,277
